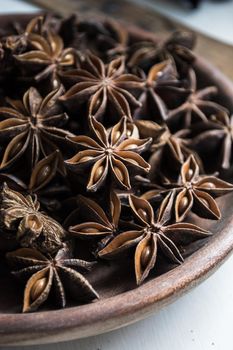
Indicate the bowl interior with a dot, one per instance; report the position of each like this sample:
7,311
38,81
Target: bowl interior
121,302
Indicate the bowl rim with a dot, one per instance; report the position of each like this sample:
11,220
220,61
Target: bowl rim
128,307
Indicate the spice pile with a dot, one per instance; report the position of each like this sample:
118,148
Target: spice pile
104,138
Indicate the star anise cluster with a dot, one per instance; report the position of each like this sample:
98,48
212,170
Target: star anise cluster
110,147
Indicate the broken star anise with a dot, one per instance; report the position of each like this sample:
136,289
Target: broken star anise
152,235
103,86
32,126
18,42
54,277
20,216
197,107
108,154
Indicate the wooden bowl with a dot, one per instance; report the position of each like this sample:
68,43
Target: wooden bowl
121,303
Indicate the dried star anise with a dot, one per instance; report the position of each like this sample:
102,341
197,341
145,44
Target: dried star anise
160,86
177,142
102,86
151,236
47,56
217,135
178,48
108,154
116,43
169,150
98,224
20,216
17,43
32,126
198,106
54,276
195,192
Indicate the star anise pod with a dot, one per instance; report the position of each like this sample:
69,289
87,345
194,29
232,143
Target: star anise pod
169,150
160,88
18,42
102,86
20,216
98,224
217,134
47,56
115,41
108,154
55,277
153,235
196,192
197,107
178,48
32,126
162,137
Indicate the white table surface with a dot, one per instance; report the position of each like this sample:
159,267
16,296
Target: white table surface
201,320
214,18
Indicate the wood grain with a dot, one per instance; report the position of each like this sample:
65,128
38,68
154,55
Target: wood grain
216,52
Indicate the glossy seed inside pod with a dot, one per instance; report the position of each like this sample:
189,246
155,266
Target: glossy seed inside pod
85,159
183,205
189,174
89,230
98,133
128,132
34,222
145,256
17,147
143,214
38,288
119,173
116,136
131,146
208,185
98,173
43,173
133,161
68,59
97,104
55,83
205,202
